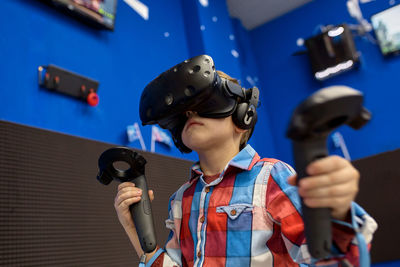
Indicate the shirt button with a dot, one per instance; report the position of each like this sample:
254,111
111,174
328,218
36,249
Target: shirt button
202,219
233,212
207,189
199,254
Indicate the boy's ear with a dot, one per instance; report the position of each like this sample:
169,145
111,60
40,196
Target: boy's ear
237,129
240,130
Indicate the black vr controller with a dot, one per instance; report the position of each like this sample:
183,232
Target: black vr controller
141,211
194,85
311,123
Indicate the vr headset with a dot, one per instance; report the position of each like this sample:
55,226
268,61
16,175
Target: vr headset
194,85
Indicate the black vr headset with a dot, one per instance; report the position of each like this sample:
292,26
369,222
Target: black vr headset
194,85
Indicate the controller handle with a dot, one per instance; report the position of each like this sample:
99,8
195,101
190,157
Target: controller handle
140,211
317,221
311,123
142,217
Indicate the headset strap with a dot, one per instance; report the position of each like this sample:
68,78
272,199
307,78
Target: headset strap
251,95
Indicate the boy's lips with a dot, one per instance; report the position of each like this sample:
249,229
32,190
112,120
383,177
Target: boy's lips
192,122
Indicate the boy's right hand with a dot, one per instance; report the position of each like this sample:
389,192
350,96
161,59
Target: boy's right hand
127,195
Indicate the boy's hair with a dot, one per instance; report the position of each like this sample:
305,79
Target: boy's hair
246,135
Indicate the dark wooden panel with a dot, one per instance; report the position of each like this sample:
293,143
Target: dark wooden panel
53,211
379,196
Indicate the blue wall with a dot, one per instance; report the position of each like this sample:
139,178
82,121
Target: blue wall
287,79
123,61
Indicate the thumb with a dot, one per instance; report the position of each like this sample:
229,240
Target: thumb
151,195
292,180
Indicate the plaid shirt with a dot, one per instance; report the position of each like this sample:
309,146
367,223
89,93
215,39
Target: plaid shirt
248,216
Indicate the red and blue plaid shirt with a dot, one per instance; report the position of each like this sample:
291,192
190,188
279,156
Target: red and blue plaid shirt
248,216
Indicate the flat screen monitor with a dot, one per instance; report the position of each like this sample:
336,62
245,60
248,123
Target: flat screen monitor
386,25
96,12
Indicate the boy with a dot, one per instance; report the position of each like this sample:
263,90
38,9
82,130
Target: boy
240,210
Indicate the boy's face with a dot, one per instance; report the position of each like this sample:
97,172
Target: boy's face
201,133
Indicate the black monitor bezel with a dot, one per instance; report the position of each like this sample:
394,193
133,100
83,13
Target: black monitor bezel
82,13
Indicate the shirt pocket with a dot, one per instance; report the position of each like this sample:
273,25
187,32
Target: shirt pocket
234,211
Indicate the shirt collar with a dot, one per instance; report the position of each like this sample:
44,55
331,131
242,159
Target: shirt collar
245,160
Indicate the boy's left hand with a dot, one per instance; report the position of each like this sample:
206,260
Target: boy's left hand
333,183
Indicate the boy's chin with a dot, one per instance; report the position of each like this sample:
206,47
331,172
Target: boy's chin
196,148
202,147
201,142
197,145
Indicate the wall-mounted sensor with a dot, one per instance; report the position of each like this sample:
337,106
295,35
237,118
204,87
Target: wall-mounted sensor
332,52
66,82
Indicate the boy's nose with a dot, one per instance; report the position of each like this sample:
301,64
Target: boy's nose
190,113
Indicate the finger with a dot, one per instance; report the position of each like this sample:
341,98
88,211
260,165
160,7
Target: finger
349,189
129,189
151,195
127,202
125,184
127,195
326,165
330,202
292,180
338,177
122,203
133,190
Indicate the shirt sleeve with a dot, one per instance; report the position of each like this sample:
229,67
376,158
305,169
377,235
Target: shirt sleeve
170,255
353,238
284,207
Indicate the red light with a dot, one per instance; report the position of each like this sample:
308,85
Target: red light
93,99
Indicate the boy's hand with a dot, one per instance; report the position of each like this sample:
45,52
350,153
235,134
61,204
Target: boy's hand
127,195
333,183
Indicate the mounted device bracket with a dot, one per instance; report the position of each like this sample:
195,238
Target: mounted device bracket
66,82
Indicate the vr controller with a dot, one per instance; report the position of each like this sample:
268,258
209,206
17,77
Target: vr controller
194,85
311,123
141,211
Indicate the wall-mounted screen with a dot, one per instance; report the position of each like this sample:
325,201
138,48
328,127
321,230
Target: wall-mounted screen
96,12
387,30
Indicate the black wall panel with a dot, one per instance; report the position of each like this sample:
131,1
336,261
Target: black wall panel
53,211
380,196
